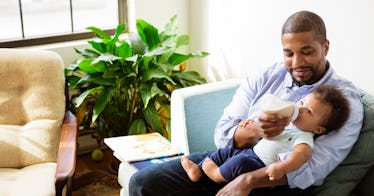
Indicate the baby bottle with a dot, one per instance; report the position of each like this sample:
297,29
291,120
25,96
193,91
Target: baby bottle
271,104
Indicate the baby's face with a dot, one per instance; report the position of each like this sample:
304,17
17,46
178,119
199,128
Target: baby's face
311,113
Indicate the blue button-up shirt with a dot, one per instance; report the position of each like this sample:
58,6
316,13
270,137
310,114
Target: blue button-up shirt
329,150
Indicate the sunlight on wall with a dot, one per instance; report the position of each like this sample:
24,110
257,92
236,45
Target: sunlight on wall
245,36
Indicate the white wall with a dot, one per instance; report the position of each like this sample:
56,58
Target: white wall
158,12
245,35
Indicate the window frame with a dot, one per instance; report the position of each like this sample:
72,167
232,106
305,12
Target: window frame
50,39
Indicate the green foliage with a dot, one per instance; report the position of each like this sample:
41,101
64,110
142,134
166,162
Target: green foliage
124,85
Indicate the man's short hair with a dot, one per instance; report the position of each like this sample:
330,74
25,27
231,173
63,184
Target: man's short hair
305,21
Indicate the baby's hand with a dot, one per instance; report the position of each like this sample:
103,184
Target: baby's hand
245,122
274,172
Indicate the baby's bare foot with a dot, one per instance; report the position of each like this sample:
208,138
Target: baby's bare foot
192,170
211,169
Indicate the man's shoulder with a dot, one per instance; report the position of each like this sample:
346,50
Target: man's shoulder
344,85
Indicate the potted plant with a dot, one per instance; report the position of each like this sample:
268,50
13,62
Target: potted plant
124,85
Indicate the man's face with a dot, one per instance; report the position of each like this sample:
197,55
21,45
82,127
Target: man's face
304,56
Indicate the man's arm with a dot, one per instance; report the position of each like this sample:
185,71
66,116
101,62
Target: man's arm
299,155
245,183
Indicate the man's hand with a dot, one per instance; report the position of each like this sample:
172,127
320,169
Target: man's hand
237,187
245,183
267,126
271,125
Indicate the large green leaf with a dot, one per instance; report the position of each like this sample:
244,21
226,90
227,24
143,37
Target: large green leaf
102,100
190,76
87,53
153,118
156,74
113,72
99,46
99,33
158,51
147,93
111,45
120,29
176,58
124,50
182,40
137,44
96,80
72,81
137,127
87,66
198,54
106,58
79,100
148,33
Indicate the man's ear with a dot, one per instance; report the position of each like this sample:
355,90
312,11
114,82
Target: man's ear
326,47
319,130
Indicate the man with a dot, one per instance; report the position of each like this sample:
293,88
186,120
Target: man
305,66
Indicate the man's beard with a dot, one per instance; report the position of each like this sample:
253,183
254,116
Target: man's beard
311,80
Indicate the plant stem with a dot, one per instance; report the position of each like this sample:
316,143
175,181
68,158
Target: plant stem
133,104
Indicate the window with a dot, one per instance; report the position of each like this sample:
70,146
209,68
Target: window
34,22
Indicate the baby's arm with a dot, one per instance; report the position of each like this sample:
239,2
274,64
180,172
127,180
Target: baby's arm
299,155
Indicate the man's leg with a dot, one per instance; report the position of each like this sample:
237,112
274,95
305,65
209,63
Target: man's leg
277,191
169,178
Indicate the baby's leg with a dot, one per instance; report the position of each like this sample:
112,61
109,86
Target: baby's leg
211,169
192,170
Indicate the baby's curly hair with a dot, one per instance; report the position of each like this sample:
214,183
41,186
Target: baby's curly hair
330,95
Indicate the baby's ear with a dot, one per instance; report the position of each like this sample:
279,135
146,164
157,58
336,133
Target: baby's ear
319,130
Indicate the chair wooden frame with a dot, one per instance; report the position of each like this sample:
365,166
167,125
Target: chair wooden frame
67,151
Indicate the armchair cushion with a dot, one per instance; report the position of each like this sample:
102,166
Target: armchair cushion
22,181
30,120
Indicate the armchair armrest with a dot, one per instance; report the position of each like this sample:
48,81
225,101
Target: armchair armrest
66,157
195,112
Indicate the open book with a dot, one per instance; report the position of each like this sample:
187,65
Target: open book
141,147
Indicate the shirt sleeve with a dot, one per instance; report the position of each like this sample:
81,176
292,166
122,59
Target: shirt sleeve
235,112
329,150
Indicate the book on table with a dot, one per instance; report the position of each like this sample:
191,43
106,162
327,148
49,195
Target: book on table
140,151
141,147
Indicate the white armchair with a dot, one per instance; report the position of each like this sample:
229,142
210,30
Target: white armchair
38,134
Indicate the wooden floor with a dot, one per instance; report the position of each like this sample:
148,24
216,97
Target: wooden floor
96,177
84,161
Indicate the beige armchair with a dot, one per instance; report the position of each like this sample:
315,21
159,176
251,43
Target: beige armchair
38,134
